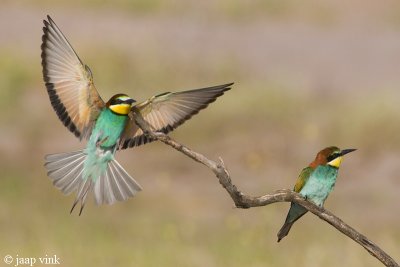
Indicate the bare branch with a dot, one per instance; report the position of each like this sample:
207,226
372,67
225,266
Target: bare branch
244,201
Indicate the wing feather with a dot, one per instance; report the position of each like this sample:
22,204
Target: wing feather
302,179
167,111
69,82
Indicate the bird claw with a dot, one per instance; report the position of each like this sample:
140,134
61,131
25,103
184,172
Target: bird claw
158,134
100,142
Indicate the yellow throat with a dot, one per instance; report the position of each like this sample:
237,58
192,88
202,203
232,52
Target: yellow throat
121,109
336,162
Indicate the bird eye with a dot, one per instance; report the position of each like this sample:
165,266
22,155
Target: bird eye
117,101
333,156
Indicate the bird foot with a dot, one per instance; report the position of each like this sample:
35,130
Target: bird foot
159,134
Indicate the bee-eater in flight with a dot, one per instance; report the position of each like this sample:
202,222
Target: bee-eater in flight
108,126
315,182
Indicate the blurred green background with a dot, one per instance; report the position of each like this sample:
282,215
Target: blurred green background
307,75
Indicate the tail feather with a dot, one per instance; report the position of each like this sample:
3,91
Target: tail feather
115,185
84,188
66,171
128,185
67,189
56,161
295,212
284,230
61,169
117,188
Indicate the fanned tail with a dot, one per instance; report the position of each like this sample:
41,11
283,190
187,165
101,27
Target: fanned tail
66,170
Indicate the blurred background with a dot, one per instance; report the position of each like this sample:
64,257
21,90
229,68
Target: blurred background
307,75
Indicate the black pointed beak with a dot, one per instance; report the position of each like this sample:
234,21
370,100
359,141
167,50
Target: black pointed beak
130,101
346,151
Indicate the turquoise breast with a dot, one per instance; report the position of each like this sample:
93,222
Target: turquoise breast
320,184
108,128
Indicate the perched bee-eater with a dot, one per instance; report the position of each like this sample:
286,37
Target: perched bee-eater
108,126
315,182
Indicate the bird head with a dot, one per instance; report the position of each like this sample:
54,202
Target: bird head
331,156
120,104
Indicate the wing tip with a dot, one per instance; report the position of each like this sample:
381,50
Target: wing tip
49,21
223,87
229,85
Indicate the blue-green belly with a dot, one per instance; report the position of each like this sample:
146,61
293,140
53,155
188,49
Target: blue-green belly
320,184
100,148
108,129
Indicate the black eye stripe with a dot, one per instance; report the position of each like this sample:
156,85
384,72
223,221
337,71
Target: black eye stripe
333,156
117,101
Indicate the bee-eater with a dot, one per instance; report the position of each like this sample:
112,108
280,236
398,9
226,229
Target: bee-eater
108,126
315,182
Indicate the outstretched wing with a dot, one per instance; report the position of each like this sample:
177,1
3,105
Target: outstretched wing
69,82
302,179
167,111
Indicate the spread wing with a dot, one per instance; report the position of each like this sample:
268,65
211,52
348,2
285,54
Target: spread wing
69,82
303,177
167,111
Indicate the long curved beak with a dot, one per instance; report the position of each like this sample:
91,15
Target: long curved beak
346,151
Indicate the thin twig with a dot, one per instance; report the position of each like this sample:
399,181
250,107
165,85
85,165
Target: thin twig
244,201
